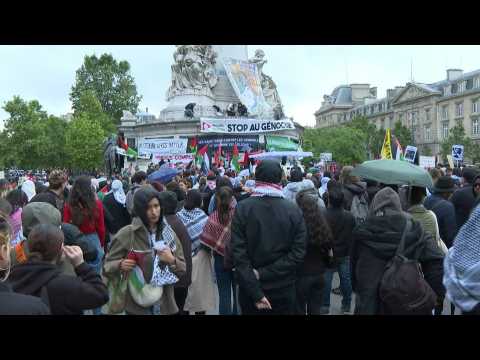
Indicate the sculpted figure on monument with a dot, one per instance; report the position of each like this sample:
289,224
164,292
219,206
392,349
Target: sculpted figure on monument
193,68
269,87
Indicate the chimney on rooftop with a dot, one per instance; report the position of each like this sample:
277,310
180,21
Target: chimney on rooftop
453,74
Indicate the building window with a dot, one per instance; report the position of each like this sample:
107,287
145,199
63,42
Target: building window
454,88
475,127
400,118
427,115
446,91
476,83
427,132
459,110
445,129
475,105
382,123
461,86
445,112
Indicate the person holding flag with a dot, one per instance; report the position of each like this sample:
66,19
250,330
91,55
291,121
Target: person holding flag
234,164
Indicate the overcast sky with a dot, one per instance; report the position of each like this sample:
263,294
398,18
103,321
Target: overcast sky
303,74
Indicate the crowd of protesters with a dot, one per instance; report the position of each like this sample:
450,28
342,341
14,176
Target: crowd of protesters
268,243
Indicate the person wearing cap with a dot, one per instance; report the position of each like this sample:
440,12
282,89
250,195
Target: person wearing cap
463,199
57,182
268,244
443,209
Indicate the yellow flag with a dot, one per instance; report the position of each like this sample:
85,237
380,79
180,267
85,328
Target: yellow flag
387,148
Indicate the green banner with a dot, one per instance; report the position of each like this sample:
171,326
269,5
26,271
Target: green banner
280,143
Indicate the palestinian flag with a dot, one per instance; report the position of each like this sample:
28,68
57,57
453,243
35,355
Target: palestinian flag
235,156
193,146
399,154
132,153
200,153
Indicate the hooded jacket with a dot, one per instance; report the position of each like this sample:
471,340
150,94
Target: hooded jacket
350,190
445,213
12,303
294,188
66,295
463,201
136,236
375,243
116,215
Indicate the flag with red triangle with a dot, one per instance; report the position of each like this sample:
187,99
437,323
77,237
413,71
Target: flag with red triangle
235,156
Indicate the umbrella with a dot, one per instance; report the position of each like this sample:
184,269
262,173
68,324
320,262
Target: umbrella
163,175
394,172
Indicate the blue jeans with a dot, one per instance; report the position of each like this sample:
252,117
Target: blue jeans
226,285
98,262
343,268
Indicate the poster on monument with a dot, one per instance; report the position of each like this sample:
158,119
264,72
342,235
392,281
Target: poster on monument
227,141
243,126
245,81
162,147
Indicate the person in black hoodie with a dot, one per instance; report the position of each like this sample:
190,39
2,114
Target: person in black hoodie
12,303
40,276
341,224
115,209
310,275
352,187
268,245
375,243
463,199
169,203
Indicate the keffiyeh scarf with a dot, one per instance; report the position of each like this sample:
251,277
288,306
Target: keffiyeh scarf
118,193
194,220
267,189
215,235
161,273
461,275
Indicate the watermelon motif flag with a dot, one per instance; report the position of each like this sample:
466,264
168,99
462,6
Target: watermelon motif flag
235,164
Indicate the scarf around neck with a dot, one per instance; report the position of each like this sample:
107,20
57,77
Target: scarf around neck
263,189
118,193
194,220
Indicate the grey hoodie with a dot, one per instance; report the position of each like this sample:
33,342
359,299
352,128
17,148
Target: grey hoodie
292,189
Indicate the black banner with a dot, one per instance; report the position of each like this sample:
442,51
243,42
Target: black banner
243,142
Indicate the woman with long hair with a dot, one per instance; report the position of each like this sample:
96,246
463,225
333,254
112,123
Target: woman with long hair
86,212
310,281
18,199
136,249
216,235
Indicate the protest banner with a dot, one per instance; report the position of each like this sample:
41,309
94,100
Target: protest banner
410,153
243,126
162,147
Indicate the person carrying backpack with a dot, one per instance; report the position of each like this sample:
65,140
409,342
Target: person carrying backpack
355,195
393,258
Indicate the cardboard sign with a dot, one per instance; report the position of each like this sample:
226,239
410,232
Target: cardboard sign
427,162
326,157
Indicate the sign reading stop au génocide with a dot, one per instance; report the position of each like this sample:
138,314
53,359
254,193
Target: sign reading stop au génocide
243,126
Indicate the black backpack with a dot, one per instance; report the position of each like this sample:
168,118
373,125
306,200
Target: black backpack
403,289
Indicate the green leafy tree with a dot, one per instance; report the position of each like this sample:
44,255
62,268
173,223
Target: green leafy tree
111,83
84,141
31,139
457,136
89,105
369,130
345,143
403,134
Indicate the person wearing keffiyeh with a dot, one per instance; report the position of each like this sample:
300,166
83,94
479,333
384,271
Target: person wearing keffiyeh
461,276
268,244
201,292
216,235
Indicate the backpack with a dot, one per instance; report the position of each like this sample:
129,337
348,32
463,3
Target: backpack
403,289
359,208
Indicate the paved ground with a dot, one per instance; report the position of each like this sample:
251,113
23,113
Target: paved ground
336,302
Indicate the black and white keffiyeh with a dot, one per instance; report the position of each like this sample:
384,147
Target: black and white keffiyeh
267,189
194,220
161,273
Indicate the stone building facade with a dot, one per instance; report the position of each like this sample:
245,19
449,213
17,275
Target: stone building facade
429,110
